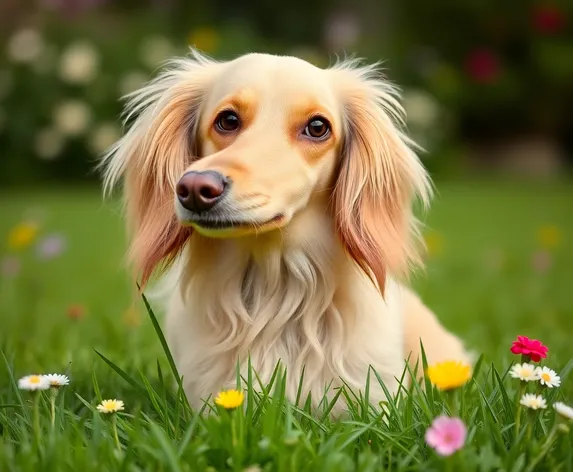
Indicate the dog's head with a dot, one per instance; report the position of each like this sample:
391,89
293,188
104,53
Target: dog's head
238,148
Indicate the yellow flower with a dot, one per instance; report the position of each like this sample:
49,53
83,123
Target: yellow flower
22,235
110,406
434,244
549,236
230,399
205,39
131,317
449,374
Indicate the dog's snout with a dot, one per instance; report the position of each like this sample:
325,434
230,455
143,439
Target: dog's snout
200,191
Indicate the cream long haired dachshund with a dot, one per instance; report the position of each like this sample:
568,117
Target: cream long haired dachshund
279,196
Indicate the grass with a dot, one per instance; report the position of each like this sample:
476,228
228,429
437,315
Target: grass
75,315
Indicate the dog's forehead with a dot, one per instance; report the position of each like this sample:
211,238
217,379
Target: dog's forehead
273,77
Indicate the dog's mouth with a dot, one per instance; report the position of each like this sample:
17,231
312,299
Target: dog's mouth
218,223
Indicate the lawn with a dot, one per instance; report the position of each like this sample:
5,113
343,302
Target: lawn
499,266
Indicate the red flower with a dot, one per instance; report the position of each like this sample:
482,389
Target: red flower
532,348
548,19
75,312
482,66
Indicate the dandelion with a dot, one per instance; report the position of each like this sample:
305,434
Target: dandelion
564,410
110,406
22,235
79,63
33,383
48,143
72,117
206,39
434,244
446,435
57,380
549,236
535,402
529,348
230,399
548,377
449,374
524,372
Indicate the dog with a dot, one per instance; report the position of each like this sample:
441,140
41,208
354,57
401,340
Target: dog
275,198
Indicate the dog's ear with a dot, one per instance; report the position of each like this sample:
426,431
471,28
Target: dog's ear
379,176
161,142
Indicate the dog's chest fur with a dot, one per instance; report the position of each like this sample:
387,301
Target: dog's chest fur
273,304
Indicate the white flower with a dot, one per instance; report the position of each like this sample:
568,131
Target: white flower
131,82
49,143
72,117
564,410
103,137
25,46
535,402
110,406
57,380
154,50
548,377
422,110
79,63
525,372
33,382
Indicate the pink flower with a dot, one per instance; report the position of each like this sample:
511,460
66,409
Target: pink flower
482,66
446,435
51,246
531,348
541,262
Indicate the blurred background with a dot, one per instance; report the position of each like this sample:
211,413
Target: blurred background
488,86
488,89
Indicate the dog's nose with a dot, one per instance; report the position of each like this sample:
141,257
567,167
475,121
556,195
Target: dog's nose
199,191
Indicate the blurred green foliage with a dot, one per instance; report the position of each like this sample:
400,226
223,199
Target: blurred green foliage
473,71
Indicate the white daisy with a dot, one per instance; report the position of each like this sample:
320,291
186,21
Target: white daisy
33,382
525,372
72,117
535,402
79,63
57,380
110,406
25,46
548,377
564,410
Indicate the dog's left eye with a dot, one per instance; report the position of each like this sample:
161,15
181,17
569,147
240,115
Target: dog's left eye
227,121
317,128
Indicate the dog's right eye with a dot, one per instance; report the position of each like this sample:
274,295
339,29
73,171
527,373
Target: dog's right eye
227,121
